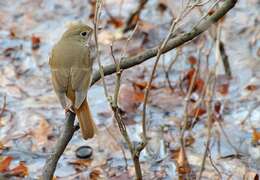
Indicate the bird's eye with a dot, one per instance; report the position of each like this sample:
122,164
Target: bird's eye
83,33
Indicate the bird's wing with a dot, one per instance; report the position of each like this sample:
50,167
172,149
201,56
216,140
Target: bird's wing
80,82
60,80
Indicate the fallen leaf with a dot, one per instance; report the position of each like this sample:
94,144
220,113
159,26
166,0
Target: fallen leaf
198,85
123,176
1,146
251,87
35,40
143,85
8,51
217,107
255,136
81,164
192,60
21,170
128,98
175,153
116,22
189,140
189,75
211,11
198,112
139,97
183,166
95,174
223,89
161,6
41,132
4,164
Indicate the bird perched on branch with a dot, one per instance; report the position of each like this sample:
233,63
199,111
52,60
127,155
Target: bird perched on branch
71,70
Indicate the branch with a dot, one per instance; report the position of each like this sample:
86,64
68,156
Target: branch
58,149
173,43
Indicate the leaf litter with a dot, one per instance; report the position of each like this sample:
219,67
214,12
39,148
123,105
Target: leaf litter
31,118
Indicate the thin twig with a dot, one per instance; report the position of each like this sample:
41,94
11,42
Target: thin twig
210,91
96,23
3,107
213,164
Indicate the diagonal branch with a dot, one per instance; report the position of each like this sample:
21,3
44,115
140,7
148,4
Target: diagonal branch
173,43
58,149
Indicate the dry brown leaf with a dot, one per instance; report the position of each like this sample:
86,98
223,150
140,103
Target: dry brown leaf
175,153
41,132
199,85
217,107
123,176
223,89
251,87
255,136
143,85
192,60
95,174
198,112
128,98
182,163
116,22
1,146
139,97
36,41
81,162
161,6
189,140
4,164
21,170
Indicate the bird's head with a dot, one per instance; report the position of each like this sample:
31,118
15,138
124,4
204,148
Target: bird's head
78,31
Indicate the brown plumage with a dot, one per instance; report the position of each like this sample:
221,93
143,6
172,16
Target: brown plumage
71,68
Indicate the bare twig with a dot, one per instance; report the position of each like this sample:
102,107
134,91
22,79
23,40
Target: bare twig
224,58
213,164
96,23
210,91
170,67
3,107
118,116
134,16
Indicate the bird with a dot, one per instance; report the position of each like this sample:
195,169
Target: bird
71,62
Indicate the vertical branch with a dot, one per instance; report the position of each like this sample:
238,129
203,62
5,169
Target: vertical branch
118,115
210,91
96,23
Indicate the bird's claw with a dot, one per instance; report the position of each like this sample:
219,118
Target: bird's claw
67,109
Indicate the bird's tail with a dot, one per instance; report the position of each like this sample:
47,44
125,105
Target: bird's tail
87,126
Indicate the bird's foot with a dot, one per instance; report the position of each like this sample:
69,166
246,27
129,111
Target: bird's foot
70,108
